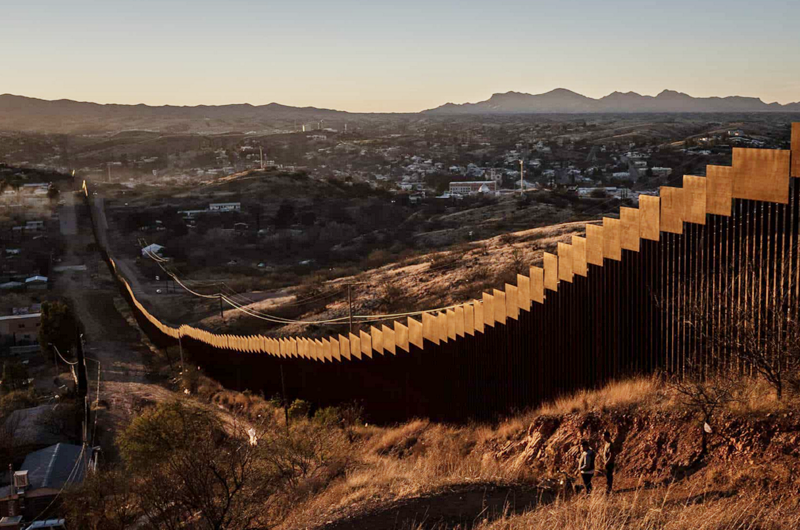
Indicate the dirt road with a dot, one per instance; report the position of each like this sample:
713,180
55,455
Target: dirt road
110,338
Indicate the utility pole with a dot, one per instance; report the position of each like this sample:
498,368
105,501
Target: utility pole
83,383
109,171
221,312
521,177
350,306
261,156
285,400
180,349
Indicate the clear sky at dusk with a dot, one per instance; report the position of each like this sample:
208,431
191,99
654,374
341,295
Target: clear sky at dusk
402,55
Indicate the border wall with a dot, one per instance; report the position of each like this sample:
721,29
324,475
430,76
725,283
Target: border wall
609,305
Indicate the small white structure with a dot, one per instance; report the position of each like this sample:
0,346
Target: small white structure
36,282
190,214
225,207
152,249
471,187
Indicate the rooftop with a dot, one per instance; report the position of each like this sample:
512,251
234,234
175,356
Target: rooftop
20,317
55,466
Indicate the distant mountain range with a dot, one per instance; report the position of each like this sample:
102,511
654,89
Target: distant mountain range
562,100
19,113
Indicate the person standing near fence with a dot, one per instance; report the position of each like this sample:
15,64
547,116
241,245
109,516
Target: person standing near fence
586,465
609,460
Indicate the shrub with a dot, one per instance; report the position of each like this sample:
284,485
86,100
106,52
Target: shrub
299,409
16,400
328,416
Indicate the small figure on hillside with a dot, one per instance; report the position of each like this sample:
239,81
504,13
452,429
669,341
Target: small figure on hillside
609,460
586,465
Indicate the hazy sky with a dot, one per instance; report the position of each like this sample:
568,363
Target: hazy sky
401,55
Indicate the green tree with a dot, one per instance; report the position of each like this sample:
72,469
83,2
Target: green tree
192,467
14,374
285,216
59,326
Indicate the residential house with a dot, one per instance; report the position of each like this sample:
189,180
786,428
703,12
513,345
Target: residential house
20,328
42,477
152,249
225,207
473,187
38,283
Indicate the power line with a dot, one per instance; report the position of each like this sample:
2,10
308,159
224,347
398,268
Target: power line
62,357
280,320
231,297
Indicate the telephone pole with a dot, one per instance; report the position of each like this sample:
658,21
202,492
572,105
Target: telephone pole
521,177
180,349
350,306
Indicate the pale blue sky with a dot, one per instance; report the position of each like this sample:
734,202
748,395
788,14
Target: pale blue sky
403,55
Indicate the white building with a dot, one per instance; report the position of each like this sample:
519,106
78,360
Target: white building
620,193
472,187
662,171
153,248
225,207
36,282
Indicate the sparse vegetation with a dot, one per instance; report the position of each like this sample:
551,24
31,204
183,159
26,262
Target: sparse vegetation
332,466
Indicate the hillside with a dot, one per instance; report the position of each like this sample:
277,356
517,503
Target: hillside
427,475
21,113
329,470
437,279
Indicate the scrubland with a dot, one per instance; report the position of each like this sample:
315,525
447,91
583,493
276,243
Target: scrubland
331,468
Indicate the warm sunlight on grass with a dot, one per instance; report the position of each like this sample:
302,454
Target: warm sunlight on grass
661,509
643,392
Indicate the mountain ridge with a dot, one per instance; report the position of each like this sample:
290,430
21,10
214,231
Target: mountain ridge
562,100
22,113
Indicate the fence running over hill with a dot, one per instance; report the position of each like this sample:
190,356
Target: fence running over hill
613,303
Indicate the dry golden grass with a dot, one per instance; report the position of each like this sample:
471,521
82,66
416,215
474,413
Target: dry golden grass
435,279
421,457
754,397
662,509
412,459
643,392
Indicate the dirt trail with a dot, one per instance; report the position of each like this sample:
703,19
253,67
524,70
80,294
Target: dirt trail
109,337
463,506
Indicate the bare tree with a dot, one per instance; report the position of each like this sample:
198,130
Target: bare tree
743,324
106,501
704,396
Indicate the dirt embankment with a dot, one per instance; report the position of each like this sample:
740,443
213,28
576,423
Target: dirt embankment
663,447
496,473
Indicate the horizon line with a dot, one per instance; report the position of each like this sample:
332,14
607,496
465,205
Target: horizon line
257,105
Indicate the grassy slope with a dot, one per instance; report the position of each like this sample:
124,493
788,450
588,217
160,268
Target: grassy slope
400,476
423,282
